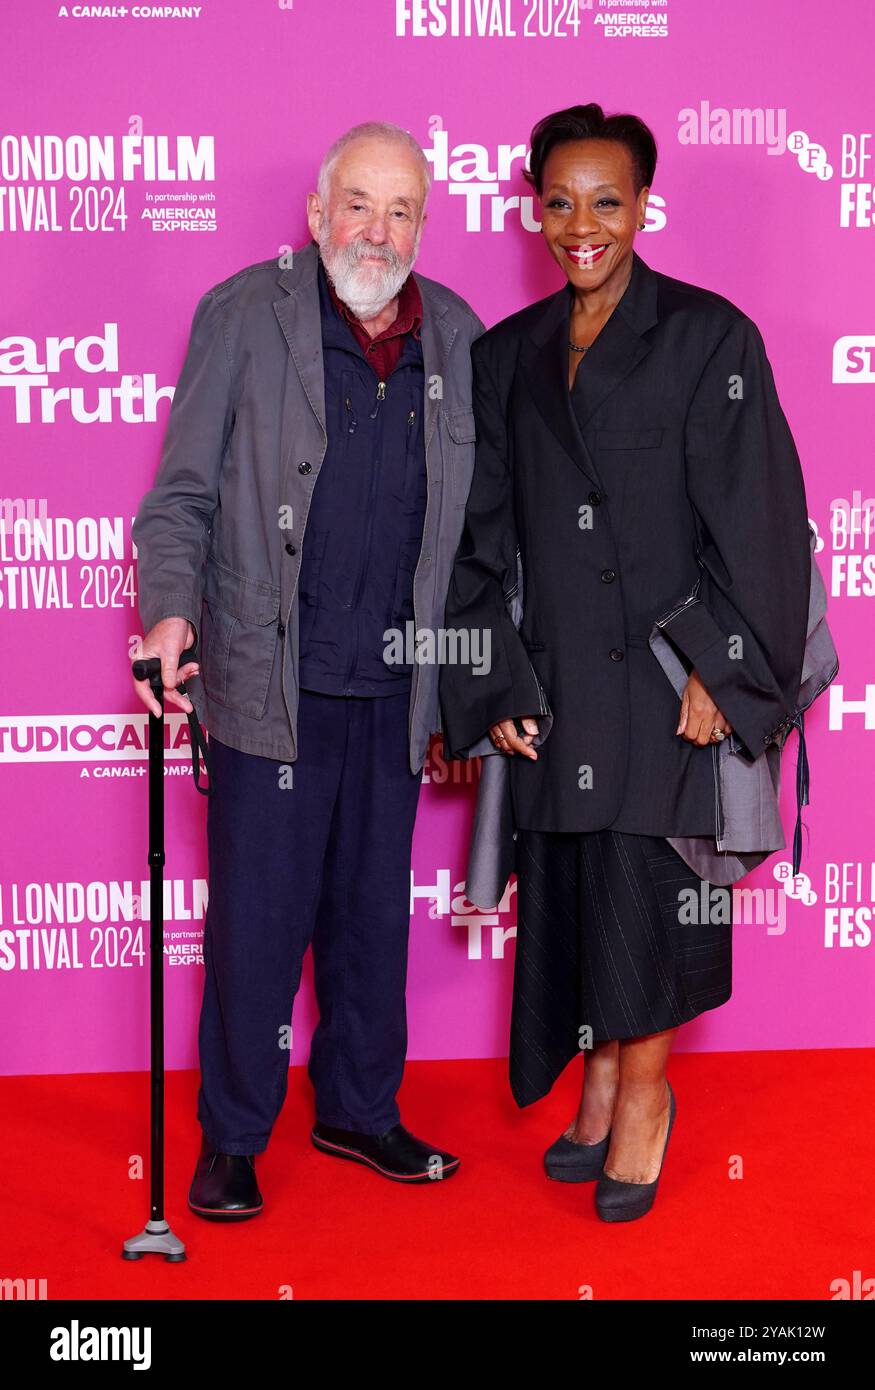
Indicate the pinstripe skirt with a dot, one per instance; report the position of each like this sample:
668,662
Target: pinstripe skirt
617,937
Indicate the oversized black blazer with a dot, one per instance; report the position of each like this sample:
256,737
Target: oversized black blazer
671,494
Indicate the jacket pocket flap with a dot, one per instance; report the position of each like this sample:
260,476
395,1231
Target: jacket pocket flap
461,426
251,600
628,439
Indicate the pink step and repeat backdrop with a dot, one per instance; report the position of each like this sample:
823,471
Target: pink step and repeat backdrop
214,118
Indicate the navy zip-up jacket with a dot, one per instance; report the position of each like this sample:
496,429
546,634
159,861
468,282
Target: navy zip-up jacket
364,528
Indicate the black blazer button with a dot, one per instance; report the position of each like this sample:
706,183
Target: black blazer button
595,498
290,549
281,631
616,654
608,576
304,468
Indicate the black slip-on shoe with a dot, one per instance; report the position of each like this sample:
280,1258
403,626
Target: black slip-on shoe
568,1161
397,1154
224,1186
627,1201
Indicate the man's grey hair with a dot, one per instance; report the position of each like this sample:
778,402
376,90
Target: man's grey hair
372,130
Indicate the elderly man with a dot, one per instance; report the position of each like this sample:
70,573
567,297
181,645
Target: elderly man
307,509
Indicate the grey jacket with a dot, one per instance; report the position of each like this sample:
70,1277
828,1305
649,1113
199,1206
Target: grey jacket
219,537
747,819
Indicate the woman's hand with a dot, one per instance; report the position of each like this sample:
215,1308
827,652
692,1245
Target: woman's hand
507,740
699,714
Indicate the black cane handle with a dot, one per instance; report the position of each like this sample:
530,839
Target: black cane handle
148,668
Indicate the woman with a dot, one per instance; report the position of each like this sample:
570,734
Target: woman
633,457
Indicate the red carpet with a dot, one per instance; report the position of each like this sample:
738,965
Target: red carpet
801,1216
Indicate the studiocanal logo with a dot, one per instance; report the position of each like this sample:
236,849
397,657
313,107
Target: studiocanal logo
119,740
853,359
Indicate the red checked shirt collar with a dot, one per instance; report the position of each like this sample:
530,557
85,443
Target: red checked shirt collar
408,318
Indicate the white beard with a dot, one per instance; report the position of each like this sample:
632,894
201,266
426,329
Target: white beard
365,289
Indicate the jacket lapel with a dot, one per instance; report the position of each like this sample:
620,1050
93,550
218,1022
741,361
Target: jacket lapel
618,348
298,314
437,339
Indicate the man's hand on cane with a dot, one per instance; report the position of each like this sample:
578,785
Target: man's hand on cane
167,640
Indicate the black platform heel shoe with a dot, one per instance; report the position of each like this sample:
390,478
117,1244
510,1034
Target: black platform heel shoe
626,1201
567,1161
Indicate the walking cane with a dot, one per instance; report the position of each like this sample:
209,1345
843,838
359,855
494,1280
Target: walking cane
157,1238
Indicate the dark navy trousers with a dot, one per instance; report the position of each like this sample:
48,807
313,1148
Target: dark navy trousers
325,860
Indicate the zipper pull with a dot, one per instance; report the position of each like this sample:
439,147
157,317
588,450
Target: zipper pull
381,396
410,419
351,413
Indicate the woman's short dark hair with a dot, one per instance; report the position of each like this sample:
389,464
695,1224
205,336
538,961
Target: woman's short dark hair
590,123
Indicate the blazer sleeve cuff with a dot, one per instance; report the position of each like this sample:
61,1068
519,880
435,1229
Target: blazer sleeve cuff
469,712
755,708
